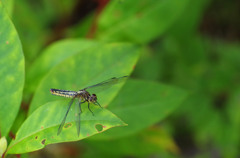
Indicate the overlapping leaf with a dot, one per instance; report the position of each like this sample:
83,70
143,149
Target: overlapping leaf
85,68
11,72
41,126
141,104
151,140
138,20
52,56
89,67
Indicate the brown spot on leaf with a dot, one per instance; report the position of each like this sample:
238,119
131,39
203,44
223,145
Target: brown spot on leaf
36,137
7,42
11,135
67,125
43,141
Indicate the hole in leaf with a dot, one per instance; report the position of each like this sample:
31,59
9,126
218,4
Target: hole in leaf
43,141
67,125
99,127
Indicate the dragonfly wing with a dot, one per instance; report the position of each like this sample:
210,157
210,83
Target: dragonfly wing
77,115
64,119
106,84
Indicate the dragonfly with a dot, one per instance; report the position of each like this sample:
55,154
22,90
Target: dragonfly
83,96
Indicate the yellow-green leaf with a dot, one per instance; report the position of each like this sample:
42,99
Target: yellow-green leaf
40,128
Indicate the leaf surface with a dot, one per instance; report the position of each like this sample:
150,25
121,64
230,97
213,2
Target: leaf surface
138,20
87,68
52,56
141,104
11,72
40,128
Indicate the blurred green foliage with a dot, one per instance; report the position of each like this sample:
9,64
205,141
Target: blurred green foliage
182,98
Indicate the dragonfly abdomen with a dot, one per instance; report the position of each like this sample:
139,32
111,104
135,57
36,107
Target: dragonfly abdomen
63,93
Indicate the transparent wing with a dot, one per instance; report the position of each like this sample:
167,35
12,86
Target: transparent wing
106,84
64,119
77,115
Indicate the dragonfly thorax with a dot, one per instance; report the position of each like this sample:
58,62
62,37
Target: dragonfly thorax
83,94
92,98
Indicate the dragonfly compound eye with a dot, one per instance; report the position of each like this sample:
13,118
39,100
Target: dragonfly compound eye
93,98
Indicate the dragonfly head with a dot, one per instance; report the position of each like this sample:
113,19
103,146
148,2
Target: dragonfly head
93,98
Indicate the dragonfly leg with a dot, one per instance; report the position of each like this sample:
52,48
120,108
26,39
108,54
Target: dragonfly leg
98,104
77,115
80,104
90,109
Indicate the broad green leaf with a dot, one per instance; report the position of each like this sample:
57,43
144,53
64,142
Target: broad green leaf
141,104
30,29
87,68
52,56
11,72
40,128
138,20
151,140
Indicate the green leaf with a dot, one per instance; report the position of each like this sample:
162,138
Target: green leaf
188,22
151,140
31,30
87,68
82,28
52,56
141,104
40,128
138,20
11,72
